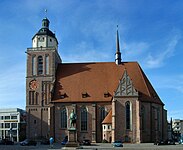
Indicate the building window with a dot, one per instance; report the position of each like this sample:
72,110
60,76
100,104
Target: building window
7,117
34,121
37,97
7,125
46,88
102,113
63,118
143,117
13,117
33,65
84,119
158,119
40,65
33,98
128,115
14,125
1,125
47,64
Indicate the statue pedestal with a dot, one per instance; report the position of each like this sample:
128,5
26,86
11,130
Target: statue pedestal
72,138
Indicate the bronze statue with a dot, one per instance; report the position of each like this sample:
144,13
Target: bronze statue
72,119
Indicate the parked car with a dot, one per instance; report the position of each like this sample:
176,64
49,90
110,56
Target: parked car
65,140
166,142
117,143
28,142
6,142
86,142
181,141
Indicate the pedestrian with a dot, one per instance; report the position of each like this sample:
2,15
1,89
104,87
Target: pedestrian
51,142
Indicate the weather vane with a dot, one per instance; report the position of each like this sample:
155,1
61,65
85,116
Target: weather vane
45,11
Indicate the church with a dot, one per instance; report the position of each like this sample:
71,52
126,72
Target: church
112,100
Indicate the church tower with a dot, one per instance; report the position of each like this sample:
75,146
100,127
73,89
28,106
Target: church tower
42,61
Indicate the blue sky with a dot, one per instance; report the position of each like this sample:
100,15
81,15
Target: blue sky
150,33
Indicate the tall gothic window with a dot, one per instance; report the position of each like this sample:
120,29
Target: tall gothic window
33,65
63,118
84,118
128,115
158,119
143,117
102,113
40,65
47,64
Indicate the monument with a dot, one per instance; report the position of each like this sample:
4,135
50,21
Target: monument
72,133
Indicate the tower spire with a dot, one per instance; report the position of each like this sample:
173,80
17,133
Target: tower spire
118,53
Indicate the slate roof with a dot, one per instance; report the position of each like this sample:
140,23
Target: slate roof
88,82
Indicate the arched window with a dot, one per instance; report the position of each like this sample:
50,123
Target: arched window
102,113
158,119
63,118
40,65
33,65
84,118
128,115
47,64
143,117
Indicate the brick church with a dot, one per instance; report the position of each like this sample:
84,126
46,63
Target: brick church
112,100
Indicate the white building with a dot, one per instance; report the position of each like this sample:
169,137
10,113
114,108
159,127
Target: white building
177,126
12,121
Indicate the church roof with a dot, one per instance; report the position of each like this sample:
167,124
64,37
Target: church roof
97,82
108,118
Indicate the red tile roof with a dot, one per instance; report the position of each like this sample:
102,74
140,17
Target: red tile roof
108,118
95,79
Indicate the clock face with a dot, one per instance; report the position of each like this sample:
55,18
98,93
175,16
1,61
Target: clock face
33,85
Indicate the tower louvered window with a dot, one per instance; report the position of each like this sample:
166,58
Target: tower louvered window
47,64
40,65
33,65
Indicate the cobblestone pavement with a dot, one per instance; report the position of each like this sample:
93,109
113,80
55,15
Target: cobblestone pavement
98,146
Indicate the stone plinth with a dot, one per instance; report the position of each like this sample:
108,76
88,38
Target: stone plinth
72,138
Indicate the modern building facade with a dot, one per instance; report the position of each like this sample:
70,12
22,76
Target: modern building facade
12,124
117,90
177,127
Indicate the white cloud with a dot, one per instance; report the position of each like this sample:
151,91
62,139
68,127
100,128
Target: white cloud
86,52
169,82
158,60
134,49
